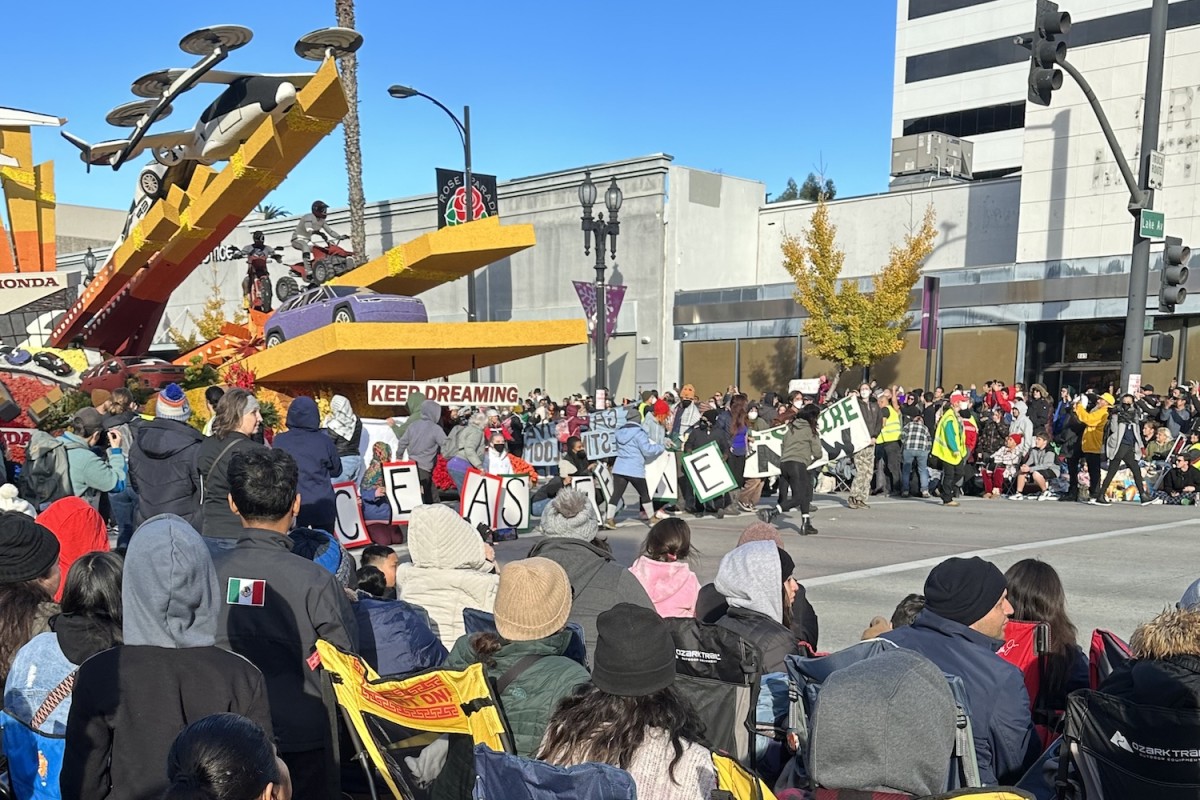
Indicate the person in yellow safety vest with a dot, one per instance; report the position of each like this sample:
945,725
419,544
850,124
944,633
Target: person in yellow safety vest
887,445
1092,440
950,447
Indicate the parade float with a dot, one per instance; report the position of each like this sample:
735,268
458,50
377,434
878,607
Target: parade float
201,183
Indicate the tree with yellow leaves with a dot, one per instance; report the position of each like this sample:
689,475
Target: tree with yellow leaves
846,325
212,318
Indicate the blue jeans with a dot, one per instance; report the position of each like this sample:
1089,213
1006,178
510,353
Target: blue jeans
353,468
906,462
124,506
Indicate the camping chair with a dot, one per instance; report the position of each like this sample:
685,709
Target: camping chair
503,776
478,621
1106,653
842,471
378,711
1026,647
719,672
1114,749
806,675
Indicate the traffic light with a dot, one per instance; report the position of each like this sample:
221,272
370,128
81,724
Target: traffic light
1048,49
1171,291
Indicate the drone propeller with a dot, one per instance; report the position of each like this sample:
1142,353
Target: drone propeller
204,41
127,115
338,42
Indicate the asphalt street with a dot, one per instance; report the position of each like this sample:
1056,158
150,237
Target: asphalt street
1120,564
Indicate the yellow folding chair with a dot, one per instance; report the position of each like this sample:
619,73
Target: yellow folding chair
436,702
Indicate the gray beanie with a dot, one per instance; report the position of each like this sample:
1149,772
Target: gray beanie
569,516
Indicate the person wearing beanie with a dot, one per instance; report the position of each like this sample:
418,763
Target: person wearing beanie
597,581
29,576
10,500
237,418
161,459
452,568
711,605
630,715
167,674
756,581
79,529
100,398
960,629
91,475
1002,466
526,659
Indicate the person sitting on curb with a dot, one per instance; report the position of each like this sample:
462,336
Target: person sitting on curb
1040,466
960,630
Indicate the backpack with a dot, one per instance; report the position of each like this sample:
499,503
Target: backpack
46,476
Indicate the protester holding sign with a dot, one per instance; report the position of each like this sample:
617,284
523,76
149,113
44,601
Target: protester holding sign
801,447
634,451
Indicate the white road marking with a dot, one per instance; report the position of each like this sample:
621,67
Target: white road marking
905,566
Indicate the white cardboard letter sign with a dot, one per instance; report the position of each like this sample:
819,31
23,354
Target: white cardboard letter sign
708,473
402,487
600,444
587,485
480,498
514,509
351,529
541,445
663,478
765,448
843,431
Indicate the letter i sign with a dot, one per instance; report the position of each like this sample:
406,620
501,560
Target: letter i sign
246,592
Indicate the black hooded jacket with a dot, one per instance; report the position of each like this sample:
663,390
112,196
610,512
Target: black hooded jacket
160,470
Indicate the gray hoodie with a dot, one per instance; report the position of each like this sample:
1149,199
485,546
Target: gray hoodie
169,594
423,438
751,577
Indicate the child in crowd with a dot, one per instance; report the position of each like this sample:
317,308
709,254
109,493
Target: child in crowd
663,571
1040,466
1003,464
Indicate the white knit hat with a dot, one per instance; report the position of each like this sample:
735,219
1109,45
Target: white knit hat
569,516
10,501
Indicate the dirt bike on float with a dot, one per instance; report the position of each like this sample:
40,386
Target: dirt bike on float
256,286
328,261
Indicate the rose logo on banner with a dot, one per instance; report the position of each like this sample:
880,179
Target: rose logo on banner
708,473
351,527
402,486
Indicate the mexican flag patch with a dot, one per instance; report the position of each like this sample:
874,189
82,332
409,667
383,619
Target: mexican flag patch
246,592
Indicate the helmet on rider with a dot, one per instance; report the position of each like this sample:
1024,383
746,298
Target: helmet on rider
258,237
320,208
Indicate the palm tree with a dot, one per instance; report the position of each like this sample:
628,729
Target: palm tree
270,211
344,9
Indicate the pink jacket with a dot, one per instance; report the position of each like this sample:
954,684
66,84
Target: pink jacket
672,586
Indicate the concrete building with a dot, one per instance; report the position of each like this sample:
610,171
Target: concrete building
1033,254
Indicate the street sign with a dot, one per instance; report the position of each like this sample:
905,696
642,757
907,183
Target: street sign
1152,224
1158,169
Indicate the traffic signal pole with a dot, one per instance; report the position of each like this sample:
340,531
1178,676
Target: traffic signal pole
1139,268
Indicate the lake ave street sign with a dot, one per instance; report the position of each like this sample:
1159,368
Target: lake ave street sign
1152,224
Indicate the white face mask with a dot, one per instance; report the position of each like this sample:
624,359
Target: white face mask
797,403
865,394
752,414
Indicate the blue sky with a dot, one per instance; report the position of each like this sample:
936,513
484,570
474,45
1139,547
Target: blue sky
760,90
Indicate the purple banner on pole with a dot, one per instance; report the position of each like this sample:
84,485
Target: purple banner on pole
615,296
929,312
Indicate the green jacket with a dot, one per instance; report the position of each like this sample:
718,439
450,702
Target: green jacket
528,703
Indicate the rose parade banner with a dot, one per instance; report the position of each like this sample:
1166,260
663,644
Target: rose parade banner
587,297
452,197
843,431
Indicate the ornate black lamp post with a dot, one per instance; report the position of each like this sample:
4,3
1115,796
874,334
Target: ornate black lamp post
601,228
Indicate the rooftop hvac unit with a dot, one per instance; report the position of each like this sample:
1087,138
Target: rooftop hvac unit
937,153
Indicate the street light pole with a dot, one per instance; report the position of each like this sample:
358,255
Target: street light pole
1139,266
601,228
464,132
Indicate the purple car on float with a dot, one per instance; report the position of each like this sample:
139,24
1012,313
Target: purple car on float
318,307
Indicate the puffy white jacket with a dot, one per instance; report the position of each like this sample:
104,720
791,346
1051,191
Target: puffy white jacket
449,572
